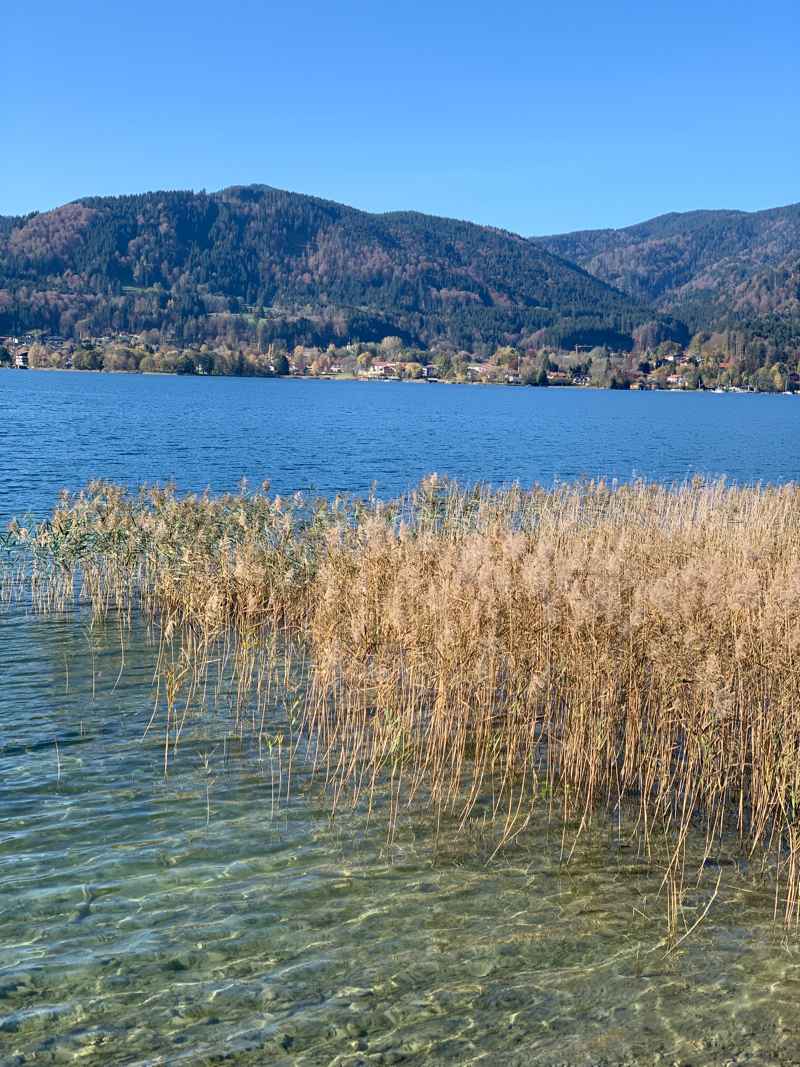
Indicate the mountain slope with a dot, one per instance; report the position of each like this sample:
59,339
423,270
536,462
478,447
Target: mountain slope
306,269
688,264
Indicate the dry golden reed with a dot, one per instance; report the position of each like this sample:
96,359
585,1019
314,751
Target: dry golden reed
630,649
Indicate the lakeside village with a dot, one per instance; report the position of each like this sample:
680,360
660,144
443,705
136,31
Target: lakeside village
717,362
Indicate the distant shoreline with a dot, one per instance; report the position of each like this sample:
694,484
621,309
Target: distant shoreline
396,381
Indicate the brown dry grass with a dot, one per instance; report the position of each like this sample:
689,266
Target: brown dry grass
633,650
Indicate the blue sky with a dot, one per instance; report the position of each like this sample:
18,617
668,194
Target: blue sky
536,117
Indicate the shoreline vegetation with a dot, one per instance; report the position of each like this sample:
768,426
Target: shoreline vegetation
628,654
718,362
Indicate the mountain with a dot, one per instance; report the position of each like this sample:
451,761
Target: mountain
695,265
252,259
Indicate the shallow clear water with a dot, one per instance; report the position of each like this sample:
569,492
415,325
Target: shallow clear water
153,921
62,428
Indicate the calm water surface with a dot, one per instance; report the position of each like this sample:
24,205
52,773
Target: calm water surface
62,428
183,920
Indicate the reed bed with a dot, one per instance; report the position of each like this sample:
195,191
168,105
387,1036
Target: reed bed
631,651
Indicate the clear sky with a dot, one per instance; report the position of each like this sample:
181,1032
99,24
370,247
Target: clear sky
538,117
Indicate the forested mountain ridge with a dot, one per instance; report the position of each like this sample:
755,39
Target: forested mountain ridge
690,264
300,268
772,292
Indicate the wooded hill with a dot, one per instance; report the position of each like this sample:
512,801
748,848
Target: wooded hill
256,261
711,269
252,263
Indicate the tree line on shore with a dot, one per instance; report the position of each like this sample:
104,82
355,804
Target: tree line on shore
730,359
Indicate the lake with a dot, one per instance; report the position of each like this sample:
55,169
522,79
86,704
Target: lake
62,428
190,918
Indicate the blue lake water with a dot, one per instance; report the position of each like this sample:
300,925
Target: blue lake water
62,428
